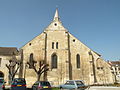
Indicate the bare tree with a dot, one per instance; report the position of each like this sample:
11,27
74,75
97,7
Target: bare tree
13,67
43,68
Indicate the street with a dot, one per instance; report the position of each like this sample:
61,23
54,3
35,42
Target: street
103,88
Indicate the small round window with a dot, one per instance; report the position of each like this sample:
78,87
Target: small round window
73,40
55,24
29,44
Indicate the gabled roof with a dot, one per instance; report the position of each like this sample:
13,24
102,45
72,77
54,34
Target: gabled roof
56,24
8,51
97,53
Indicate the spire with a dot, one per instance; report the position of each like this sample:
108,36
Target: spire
56,16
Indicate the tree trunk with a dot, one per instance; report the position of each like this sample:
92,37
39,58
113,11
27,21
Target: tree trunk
10,79
38,77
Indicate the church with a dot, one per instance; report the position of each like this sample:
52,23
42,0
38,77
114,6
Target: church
68,58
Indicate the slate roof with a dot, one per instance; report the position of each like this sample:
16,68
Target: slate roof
8,51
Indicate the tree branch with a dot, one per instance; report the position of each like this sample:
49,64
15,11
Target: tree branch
8,66
45,70
32,66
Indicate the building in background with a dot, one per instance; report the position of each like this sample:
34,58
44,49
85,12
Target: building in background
115,70
6,54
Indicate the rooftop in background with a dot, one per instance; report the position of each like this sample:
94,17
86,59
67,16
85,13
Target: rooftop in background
114,63
8,51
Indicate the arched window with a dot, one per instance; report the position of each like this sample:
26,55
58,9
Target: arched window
54,61
78,60
0,61
1,74
31,60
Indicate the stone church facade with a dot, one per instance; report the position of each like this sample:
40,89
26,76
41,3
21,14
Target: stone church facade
68,58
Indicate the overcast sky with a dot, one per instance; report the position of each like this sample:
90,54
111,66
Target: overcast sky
96,23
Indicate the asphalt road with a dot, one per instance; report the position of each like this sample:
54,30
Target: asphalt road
103,88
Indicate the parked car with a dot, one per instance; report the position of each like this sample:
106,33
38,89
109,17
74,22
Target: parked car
2,84
74,84
41,85
18,84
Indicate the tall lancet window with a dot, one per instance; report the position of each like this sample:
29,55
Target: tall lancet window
52,45
78,60
56,45
31,60
54,61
